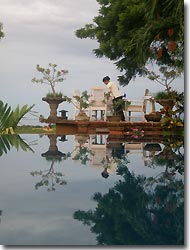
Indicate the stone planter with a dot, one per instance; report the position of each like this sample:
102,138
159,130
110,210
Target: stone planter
113,118
53,104
166,103
153,117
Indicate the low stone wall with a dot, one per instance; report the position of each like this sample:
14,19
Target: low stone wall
64,127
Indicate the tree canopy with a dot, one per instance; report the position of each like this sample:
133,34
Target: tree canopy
133,33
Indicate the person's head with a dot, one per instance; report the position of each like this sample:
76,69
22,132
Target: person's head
106,79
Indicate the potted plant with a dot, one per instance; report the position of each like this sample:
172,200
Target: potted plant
51,76
165,99
81,103
113,107
168,97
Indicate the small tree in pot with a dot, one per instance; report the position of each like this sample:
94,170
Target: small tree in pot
115,107
81,103
51,76
168,98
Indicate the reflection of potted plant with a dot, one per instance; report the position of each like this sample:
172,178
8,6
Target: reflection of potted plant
81,151
152,147
51,76
81,102
171,157
53,153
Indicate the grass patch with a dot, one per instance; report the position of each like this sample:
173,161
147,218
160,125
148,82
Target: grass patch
27,129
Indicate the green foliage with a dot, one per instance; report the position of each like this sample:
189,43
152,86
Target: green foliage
163,95
118,104
52,95
136,212
9,141
165,77
18,114
49,178
81,102
10,118
172,157
130,33
173,117
5,116
50,76
83,155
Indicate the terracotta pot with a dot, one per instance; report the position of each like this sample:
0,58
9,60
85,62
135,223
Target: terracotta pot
166,103
153,117
113,118
82,116
81,139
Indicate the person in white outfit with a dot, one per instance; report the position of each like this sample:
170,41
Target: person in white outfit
116,95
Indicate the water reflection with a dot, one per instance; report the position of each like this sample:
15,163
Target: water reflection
142,205
0,215
50,177
9,141
138,211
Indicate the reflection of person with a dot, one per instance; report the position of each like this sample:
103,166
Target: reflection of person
105,173
116,96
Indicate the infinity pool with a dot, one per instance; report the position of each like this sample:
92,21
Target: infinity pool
90,190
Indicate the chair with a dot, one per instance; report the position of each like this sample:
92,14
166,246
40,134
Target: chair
98,103
140,106
76,109
134,147
98,149
135,106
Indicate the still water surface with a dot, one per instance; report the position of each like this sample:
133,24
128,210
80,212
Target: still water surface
89,190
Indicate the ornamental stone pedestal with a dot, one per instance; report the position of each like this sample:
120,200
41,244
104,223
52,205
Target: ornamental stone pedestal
53,104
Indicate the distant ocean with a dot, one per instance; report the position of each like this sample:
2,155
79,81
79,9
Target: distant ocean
31,122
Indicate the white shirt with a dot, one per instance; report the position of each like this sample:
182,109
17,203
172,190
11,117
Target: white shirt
114,89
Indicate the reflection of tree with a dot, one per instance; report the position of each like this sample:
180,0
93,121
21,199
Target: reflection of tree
82,154
9,141
134,212
49,178
81,150
171,157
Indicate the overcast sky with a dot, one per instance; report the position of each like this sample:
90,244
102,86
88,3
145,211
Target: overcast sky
43,31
